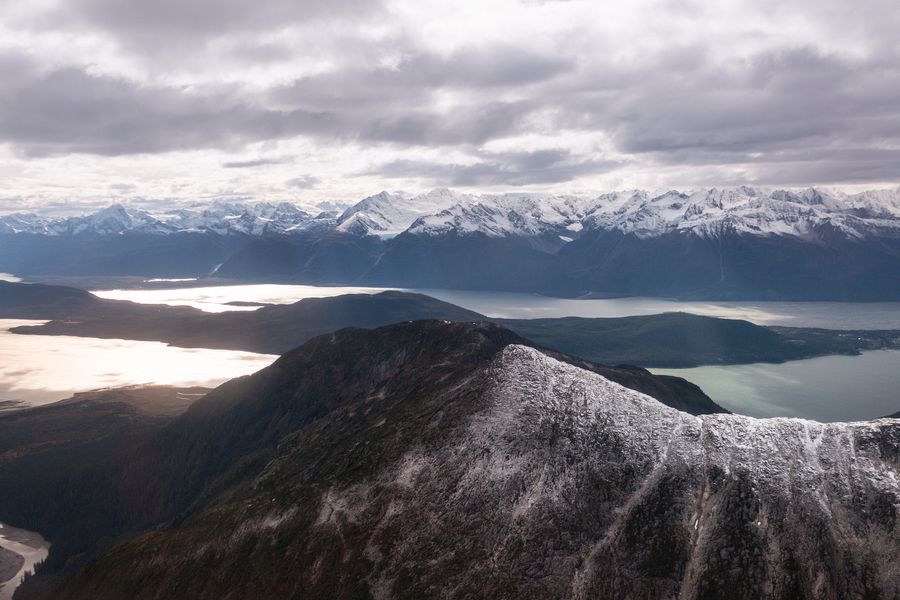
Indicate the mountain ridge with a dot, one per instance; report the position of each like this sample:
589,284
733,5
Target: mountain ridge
450,461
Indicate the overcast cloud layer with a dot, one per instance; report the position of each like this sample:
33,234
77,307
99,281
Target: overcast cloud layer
333,99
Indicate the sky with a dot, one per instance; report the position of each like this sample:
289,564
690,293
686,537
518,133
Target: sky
332,100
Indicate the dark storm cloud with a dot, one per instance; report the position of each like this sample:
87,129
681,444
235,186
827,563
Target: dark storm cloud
512,168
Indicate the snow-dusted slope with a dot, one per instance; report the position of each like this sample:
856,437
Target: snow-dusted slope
580,488
510,214
221,217
744,209
387,214
747,210
112,220
24,223
256,219
431,459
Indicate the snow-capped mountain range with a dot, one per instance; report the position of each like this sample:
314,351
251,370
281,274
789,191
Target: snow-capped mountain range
645,214
732,243
221,218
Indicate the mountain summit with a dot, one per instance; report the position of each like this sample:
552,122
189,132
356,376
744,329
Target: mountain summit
434,459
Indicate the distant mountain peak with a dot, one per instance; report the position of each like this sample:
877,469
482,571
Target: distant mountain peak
745,209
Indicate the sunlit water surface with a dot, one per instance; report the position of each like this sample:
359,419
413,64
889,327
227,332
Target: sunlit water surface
832,315
37,369
829,388
216,298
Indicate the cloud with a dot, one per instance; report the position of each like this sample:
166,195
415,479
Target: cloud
211,16
657,92
417,77
304,182
493,169
68,110
71,111
166,27
256,162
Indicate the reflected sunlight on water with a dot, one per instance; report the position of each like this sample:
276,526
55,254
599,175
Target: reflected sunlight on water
832,315
38,369
216,298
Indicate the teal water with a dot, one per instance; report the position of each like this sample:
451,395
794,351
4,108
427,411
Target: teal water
828,388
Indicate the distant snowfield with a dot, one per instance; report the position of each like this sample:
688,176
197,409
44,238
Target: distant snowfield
505,305
38,369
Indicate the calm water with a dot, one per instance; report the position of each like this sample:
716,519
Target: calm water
829,388
37,369
27,544
216,298
833,315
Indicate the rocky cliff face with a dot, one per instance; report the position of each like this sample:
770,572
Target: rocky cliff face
468,465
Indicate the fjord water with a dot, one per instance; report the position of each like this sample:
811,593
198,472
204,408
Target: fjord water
827,388
37,369
217,298
505,305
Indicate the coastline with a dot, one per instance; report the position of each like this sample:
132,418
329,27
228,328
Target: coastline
22,548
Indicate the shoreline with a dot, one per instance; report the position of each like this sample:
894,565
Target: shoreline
28,546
